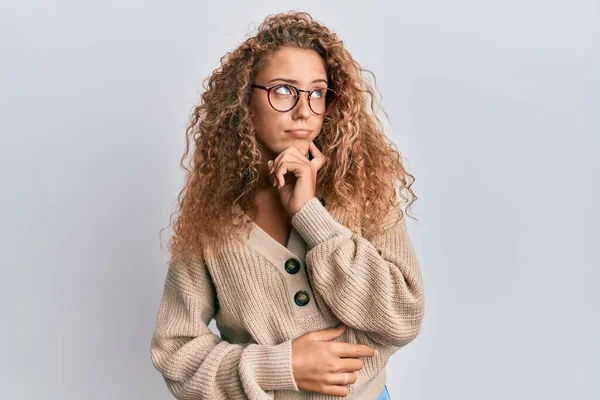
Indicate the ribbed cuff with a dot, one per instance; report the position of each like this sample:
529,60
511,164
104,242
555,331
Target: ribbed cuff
315,224
273,365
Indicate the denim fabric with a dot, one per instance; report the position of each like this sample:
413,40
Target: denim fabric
384,395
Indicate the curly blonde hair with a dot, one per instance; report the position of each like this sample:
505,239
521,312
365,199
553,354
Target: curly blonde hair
223,170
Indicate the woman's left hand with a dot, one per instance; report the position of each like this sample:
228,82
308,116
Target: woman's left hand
301,185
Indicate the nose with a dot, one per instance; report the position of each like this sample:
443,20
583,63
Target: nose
302,109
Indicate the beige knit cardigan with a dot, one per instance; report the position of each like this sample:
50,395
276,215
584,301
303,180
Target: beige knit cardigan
254,292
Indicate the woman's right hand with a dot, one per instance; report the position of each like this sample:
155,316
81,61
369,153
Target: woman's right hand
326,367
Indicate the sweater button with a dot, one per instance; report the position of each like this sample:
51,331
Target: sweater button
292,266
301,298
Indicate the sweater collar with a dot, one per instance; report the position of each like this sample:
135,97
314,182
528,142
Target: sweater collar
274,251
261,242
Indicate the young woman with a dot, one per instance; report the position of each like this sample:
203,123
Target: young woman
289,231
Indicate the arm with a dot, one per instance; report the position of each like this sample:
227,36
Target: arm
196,363
378,292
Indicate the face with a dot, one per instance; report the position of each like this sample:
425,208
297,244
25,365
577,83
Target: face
305,70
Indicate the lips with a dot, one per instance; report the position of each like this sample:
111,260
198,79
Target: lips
299,132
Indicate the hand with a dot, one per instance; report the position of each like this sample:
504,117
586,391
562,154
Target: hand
326,367
301,185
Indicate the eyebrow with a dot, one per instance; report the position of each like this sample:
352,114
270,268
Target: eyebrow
294,81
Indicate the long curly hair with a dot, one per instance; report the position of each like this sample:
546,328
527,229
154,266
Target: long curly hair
222,171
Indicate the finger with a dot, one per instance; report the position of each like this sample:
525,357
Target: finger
288,157
342,378
342,349
297,157
286,154
349,364
279,169
286,166
275,162
318,158
294,150
270,169
314,150
335,390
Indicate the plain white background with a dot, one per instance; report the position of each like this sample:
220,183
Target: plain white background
494,106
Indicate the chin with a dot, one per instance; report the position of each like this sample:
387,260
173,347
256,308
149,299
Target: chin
302,146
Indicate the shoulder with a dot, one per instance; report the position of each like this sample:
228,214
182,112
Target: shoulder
189,274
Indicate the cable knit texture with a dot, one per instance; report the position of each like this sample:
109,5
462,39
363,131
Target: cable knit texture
257,293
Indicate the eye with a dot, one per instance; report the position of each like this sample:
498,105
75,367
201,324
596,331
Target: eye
284,89
318,93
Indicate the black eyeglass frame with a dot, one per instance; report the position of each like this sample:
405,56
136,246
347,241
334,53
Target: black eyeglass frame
299,91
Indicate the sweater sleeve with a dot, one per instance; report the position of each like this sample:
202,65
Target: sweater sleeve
374,285
197,364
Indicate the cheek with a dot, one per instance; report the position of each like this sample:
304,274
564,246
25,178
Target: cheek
317,126
269,124
320,124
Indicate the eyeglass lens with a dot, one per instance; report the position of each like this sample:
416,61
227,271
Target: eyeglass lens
284,97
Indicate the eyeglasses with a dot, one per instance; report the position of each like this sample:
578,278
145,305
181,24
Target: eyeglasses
284,97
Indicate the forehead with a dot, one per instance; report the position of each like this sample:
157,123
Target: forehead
293,63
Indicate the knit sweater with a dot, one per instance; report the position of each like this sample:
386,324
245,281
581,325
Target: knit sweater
263,295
